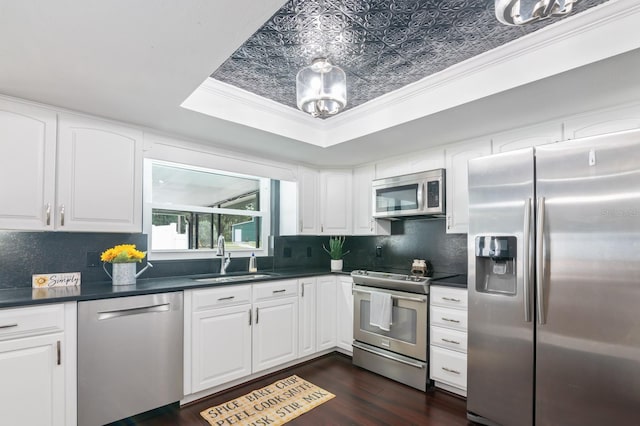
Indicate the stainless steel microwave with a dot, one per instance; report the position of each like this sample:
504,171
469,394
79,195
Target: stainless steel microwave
416,194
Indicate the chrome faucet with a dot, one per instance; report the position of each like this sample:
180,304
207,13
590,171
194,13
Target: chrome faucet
224,263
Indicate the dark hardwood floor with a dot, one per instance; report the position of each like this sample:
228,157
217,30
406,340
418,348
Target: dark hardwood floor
362,398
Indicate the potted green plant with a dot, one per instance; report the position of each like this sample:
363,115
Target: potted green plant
335,251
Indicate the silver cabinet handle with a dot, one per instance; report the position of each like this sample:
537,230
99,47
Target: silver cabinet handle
449,341
540,260
48,213
62,215
58,352
372,221
133,311
448,222
250,315
526,273
302,291
8,326
257,314
226,298
450,299
448,370
279,291
450,320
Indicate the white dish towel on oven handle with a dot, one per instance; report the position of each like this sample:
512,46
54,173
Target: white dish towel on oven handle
381,310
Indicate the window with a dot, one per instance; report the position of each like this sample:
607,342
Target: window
188,208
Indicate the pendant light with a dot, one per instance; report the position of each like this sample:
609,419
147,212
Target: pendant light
321,89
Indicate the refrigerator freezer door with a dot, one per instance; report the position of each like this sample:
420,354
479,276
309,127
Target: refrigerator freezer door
500,353
588,341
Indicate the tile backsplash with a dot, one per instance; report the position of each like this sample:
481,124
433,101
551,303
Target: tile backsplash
25,253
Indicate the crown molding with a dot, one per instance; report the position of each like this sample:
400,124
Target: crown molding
575,41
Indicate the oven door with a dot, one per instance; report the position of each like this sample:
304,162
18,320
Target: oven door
408,332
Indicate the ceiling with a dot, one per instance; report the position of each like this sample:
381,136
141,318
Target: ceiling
382,45
137,62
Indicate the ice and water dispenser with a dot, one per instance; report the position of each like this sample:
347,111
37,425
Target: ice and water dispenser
495,264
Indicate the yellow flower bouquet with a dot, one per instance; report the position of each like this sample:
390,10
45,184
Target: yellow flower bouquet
123,253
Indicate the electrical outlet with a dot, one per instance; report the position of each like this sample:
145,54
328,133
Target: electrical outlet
308,251
93,259
378,251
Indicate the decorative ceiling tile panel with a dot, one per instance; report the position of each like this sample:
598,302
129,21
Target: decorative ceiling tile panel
382,45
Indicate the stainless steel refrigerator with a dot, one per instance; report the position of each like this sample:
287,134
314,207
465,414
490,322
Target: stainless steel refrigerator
554,284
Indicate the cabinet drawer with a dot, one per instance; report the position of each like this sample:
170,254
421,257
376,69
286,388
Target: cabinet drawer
19,322
449,367
450,318
277,289
448,297
448,338
221,296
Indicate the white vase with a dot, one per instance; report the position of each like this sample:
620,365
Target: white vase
336,264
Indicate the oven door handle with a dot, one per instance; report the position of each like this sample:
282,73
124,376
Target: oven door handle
394,296
384,355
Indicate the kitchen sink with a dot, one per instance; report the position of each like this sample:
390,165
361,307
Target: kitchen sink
231,278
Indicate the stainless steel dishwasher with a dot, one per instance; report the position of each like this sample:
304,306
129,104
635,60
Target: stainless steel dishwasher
129,356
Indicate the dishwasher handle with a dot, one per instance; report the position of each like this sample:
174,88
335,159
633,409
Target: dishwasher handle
133,311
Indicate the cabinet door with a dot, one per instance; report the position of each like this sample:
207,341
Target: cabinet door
344,306
527,137
307,317
308,200
27,166
99,172
363,221
32,390
611,120
457,158
326,293
275,332
221,346
335,202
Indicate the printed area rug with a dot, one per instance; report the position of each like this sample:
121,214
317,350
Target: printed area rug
273,405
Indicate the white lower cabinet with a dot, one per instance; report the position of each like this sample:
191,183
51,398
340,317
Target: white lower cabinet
37,365
236,331
448,338
326,294
344,314
307,317
275,330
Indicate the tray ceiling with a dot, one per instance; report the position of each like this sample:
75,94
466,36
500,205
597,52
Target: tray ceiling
382,45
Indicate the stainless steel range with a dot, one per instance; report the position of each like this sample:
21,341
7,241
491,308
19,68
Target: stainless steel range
401,352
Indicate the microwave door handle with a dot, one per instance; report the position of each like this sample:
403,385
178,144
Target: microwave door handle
420,196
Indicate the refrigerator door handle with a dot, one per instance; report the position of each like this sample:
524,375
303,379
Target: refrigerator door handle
526,265
540,260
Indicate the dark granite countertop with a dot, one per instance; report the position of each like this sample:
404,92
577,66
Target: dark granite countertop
104,290
25,296
459,281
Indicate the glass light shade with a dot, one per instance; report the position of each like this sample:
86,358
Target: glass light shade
321,89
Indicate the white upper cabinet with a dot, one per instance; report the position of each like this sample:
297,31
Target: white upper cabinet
68,173
27,166
335,202
527,137
99,174
600,122
363,221
457,158
428,159
308,201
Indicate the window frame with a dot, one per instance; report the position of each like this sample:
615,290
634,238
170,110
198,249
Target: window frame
205,253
